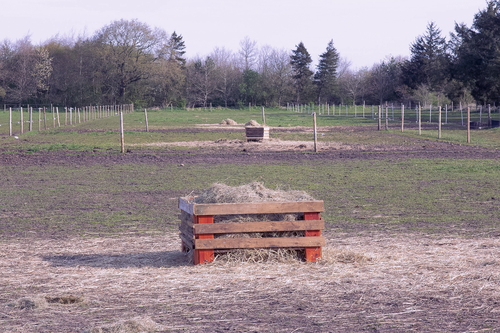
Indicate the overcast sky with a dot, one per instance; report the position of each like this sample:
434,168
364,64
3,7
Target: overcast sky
363,31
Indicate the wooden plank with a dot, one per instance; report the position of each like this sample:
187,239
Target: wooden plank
272,226
185,205
267,207
186,229
189,242
250,243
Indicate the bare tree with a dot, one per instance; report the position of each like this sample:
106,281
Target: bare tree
227,74
201,80
248,53
281,73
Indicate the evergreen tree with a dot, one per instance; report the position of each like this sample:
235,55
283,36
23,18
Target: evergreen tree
177,47
302,75
325,77
477,54
429,63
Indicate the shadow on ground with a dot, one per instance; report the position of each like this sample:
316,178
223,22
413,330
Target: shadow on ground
139,260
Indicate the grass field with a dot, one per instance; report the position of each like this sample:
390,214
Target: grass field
412,226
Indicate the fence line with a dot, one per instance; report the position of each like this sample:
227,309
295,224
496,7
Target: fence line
75,117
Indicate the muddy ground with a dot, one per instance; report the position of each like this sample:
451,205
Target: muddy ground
403,283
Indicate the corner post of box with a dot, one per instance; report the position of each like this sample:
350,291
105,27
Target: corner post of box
313,253
203,256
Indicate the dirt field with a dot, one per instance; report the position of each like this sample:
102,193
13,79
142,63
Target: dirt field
366,282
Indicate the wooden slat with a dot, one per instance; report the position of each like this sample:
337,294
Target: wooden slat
272,226
185,205
187,241
186,229
249,243
267,207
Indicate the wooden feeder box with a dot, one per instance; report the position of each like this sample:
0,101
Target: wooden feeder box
198,236
257,133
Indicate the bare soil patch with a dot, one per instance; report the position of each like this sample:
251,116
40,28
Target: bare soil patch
375,283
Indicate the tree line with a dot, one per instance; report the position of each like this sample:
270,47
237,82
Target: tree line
128,61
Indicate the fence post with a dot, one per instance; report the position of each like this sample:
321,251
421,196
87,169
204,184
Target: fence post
122,139
10,121
419,119
439,126
402,117
57,113
386,117
263,117
489,115
315,133
22,127
468,124
30,117
44,119
146,119
379,119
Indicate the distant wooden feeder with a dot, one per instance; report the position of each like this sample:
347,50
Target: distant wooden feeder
257,133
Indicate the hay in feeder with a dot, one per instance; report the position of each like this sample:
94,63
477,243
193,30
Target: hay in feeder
228,122
252,123
253,192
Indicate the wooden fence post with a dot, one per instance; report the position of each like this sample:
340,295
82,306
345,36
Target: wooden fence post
468,124
419,120
22,128
10,121
39,118
386,117
379,119
489,115
53,118
121,132
30,117
439,125
44,119
402,117
263,117
315,133
57,113
146,119
65,115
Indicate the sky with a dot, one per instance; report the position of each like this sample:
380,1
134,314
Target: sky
364,32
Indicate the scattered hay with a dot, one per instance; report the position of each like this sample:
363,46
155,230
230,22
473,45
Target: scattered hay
30,303
344,256
228,122
136,325
252,123
64,299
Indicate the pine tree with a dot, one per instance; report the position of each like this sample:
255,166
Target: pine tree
477,54
429,63
302,75
177,47
325,77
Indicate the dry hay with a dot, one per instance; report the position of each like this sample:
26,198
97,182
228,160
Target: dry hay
253,192
29,303
228,122
136,325
252,123
397,280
